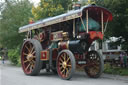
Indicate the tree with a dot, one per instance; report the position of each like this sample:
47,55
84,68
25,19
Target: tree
66,4
50,8
119,26
15,14
47,8
86,2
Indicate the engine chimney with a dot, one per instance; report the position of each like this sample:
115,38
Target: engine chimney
76,5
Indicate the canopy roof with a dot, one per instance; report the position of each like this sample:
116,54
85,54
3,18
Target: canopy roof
93,11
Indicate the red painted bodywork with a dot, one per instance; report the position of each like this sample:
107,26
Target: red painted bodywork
56,36
63,45
54,54
94,35
95,13
78,56
44,55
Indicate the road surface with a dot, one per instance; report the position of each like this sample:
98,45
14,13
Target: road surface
11,75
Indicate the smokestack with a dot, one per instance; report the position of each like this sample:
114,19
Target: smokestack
76,5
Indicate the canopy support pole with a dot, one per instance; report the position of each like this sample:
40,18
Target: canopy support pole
87,20
106,25
102,21
82,22
74,34
29,34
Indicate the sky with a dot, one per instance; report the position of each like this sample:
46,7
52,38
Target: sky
35,2
1,0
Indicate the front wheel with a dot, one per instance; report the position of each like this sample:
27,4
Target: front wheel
30,57
66,64
95,64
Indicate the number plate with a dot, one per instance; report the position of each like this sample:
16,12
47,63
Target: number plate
81,62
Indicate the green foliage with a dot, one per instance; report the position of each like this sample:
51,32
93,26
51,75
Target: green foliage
14,55
14,14
50,8
47,8
119,26
124,72
115,70
86,2
107,68
66,4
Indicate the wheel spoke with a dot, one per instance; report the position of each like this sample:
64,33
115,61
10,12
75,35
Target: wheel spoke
31,68
61,60
33,61
32,49
61,64
26,61
32,65
63,70
33,52
27,67
90,70
96,63
68,59
27,48
61,67
25,53
64,56
33,57
67,72
97,68
30,46
69,65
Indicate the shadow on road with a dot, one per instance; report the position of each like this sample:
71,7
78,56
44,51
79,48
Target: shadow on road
76,76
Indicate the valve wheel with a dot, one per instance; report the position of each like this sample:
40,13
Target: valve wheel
65,64
95,64
30,57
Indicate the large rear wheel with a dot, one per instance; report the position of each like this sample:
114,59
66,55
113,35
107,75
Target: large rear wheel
30,57
95,64
65,64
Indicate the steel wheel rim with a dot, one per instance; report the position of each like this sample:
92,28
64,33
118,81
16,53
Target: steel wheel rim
28,57
93,67
64,65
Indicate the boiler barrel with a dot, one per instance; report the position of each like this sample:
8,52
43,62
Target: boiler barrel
79,46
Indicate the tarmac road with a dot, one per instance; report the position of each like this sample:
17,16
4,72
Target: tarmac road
11,75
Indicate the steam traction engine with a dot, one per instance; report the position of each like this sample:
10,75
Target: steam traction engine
61,43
